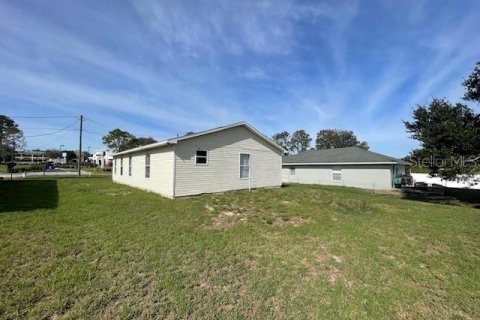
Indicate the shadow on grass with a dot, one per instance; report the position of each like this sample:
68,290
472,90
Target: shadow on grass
451,196
26,195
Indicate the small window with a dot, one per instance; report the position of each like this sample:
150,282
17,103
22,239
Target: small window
115,166
147,165
292,171
337,174
244,166
121,166
130,165
201,157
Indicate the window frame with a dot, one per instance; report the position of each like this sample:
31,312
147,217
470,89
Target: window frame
201,157
337,172
147,165
121,166
240,165
129,166
292,171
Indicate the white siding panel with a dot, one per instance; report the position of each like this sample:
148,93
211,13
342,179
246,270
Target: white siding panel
223,170
359,176
161,171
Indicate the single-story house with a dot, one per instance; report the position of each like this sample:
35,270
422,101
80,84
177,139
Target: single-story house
231,157
351,167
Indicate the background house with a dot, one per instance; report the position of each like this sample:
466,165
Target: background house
351,167
102,158
227,158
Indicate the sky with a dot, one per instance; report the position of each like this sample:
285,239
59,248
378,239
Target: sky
162,68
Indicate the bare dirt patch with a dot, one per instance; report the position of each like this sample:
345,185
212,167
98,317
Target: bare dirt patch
289,221
121,193
228,219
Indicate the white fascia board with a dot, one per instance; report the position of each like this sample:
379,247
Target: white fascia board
146,147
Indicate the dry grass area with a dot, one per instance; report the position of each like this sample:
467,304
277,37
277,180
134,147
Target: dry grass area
87,248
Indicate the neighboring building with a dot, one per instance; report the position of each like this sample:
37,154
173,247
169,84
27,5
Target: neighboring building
102,158
227,158
351,167
30,156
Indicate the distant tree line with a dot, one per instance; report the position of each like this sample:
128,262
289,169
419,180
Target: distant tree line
300,140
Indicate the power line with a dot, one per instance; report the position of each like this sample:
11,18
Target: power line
98,123
99,134
42,117
50,133
29,128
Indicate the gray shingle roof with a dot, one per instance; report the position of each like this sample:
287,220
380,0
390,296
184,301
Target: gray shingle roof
340,155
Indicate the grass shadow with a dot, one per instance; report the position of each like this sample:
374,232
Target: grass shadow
26,195
450,196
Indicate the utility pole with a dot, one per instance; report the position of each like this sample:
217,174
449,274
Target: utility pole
80,148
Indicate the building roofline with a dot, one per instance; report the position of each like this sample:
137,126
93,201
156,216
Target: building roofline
334,163
202,133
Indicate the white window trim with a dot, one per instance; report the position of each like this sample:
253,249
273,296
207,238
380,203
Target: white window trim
129,166
148,165
201,164
240,165
337,170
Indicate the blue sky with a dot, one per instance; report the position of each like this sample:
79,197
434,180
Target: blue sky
159,68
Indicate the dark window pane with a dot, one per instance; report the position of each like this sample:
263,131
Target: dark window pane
201,153
201,160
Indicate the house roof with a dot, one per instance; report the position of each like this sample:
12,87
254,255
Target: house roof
350,155
202,133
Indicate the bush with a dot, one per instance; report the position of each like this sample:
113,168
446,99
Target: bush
27,168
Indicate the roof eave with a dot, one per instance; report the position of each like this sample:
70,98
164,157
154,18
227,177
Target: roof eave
146,147
333,163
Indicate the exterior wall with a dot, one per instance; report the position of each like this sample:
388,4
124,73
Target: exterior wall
222,173
359,176
161,171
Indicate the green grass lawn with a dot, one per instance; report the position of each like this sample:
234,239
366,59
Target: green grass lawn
83,248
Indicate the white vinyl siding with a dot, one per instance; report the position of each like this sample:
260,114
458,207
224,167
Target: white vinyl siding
161,171
222,171
115,166
360,176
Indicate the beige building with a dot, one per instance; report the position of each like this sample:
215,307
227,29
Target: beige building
227,158
350,167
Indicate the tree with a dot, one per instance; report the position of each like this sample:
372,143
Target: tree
335,138
118,140
300,141
137,142
282,139
11,138
472,85
449,135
